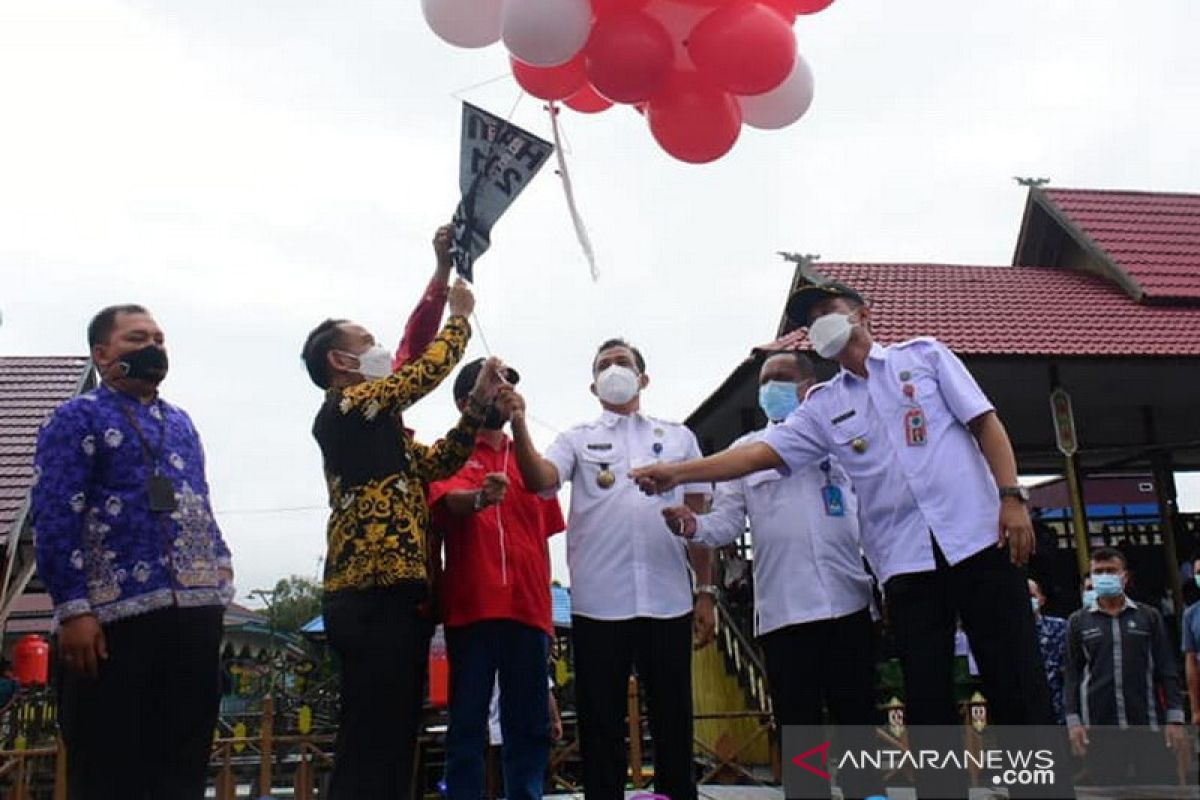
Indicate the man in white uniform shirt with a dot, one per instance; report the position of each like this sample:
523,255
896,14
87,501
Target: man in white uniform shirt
812,595
944,522
631,591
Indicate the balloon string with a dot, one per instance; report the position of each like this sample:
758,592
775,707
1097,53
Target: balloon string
581,232
482,336
457,95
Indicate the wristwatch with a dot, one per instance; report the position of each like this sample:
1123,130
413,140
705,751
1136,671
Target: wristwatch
1018,492
708,589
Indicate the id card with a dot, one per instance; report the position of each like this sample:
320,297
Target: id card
161,492
835,504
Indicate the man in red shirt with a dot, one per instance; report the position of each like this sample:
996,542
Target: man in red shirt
496,607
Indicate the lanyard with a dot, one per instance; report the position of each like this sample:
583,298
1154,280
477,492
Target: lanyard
152,456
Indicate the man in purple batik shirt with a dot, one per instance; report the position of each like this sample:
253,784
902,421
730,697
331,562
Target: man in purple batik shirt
130,553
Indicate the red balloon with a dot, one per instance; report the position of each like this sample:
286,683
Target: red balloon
550,83
628,56
786,9
588,101
693,120
745,47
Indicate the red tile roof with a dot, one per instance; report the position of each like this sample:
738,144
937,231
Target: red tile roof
1011,311
30,388
1152,237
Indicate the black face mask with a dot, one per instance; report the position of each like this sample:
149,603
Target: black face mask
492,420
148,364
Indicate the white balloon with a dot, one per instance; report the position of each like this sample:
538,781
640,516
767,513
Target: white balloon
784,104
465,23
546,33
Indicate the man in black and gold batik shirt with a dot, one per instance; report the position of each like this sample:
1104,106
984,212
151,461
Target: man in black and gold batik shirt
375,573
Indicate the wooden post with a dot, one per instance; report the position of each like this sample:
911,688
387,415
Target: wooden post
304,775
19,789
1079,523
60,768
1063,416
267,746
1165,492
635,735
226,788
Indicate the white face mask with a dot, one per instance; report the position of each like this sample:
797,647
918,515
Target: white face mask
830,334
374,363
617,385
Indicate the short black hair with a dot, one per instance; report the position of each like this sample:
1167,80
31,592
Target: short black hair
1109,554
320,341
101,327
804,362
619,342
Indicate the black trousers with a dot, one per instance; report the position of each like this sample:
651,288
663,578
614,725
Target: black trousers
991,597
383,646
143,729
826,664
661,652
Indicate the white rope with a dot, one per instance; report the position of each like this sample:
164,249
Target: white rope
581,232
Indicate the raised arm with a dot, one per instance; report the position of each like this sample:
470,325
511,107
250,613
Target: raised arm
395,393
449,454
423,323
724,466
539,474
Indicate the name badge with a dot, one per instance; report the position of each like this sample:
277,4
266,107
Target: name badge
916,434
161,493
835,503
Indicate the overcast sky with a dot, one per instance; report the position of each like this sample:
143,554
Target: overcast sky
248,167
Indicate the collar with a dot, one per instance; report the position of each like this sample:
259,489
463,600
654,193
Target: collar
505,443
107,391
877,353
611,419
1095,606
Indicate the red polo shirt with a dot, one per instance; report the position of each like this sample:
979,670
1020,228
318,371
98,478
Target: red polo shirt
498,559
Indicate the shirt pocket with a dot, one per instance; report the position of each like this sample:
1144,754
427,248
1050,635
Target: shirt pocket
595,461
851,442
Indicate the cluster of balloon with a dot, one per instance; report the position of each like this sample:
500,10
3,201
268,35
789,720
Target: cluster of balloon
696,69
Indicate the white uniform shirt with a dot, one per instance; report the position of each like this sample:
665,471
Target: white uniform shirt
807,562
624,561
905,491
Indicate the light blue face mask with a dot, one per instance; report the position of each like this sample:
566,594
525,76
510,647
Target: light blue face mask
778,399
1196,578
1107,585
1089,597
1033,601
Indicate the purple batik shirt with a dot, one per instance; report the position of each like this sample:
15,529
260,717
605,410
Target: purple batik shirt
100,548
906,492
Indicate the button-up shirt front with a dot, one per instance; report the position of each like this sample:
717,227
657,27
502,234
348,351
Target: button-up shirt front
906,491
1116,667
100,546
497,559
807,561
624,562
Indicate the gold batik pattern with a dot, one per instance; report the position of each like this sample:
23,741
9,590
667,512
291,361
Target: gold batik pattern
377,530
